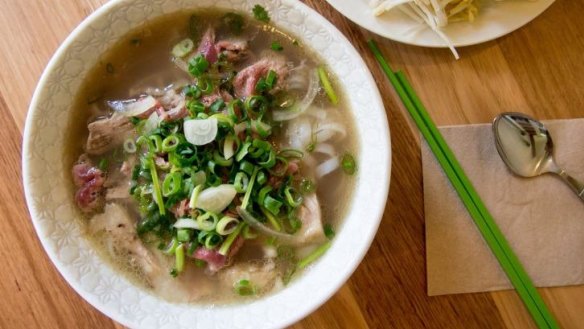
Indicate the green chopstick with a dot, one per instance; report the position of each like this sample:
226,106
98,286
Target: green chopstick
482,218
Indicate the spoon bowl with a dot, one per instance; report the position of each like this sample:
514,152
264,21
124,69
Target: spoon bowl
526,147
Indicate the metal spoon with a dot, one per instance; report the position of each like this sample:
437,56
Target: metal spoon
526,147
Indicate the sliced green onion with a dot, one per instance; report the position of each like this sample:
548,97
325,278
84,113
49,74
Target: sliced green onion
235,110
221,160
326,84
212,240
217,105
207,221
179,258
224,250
261,86
192,247
170,249
156,187
270,161
198,65
205,85
262,177
263,193
256,106
195,108
226,225
328,231
192,91
245,201
272,205
183,48
244,288
157,142
271,79
242,151
130,146
290,200
240,182
172,184
272,219
276,46
183,235
314,255
143,140
295,224
348,164
262,128
170,143
223,119
291,153
195,196
246,167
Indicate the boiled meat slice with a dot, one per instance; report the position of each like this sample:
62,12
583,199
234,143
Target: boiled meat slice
108,133
311,217
121,238
245,81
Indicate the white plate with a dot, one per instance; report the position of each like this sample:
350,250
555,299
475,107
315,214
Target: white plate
495,19
49,193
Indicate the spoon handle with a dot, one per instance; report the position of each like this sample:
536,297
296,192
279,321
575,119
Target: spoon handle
574,184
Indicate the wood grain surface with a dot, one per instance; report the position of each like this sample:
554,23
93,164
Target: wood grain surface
537,69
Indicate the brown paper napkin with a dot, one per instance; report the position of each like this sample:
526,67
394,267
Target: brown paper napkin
541,217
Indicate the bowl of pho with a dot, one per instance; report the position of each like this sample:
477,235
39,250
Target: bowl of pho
206,164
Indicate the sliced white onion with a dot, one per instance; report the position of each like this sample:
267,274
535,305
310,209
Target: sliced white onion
240,127
298,109
299,133
256,224
186,223
151,124
228,147
200,131
319,113
216,199
325,148
133,107
327,167
327,131
181,64
199,178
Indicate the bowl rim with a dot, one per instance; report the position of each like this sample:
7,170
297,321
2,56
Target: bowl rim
384,177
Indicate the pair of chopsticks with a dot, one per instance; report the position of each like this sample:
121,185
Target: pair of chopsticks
473,203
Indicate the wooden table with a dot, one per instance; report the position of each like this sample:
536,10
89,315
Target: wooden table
538,69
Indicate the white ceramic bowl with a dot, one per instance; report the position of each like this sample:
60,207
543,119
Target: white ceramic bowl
53,211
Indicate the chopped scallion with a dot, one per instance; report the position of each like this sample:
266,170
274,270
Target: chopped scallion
314,255
348,164
261,14
326,84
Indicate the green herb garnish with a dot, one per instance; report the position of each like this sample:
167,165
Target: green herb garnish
234,22
261,14
276,46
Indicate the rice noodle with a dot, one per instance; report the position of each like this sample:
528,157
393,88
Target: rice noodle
327,131
299,133
327,167
325,148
